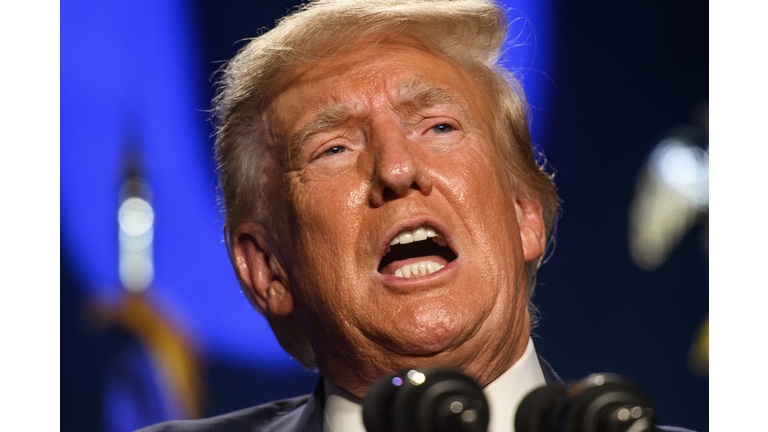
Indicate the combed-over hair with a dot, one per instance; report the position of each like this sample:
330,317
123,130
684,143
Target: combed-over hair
471,32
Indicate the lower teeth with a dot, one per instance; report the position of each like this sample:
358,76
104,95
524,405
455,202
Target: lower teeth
422,268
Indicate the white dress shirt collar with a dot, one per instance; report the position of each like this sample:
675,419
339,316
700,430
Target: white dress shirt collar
344,413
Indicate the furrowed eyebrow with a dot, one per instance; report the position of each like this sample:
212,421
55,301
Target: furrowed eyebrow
329,118
421,95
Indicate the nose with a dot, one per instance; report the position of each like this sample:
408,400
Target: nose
396,172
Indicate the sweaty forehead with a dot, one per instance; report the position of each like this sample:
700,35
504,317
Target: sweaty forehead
370,78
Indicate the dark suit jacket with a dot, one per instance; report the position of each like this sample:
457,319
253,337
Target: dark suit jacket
299,414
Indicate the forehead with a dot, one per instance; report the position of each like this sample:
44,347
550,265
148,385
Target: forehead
373,77
375,62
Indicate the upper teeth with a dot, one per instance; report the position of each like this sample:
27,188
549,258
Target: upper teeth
418,234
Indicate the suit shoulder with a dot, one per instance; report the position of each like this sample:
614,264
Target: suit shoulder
272,416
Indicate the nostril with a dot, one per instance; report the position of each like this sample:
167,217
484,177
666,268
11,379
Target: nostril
389,194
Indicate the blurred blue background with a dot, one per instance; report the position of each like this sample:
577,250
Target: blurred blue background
606,83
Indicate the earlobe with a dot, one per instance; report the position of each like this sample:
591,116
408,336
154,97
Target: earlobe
260,271
531,223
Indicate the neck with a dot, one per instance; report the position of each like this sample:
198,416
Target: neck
343,411
481,361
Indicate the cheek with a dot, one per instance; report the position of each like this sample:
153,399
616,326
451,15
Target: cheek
325,217
329,212
482,198
476,187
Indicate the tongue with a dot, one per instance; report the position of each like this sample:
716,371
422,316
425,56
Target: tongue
394,265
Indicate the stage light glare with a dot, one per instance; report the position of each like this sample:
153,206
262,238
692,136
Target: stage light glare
136,219
135,216
416,377
671,193
683,167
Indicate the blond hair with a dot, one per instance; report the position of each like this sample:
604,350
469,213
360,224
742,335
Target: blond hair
471,32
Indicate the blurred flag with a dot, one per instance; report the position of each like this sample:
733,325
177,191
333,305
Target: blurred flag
154,371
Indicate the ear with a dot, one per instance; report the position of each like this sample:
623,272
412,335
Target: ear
531,223
260,270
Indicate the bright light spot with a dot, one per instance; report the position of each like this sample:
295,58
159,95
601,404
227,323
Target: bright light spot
623,414
677,164
469,416
416,377
671,194
599,380
136,269
456,407
397,381
684,167
135,216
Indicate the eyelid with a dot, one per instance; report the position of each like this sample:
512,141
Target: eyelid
319,153
429,124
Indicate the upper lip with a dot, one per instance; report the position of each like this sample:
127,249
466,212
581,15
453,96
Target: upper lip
411,224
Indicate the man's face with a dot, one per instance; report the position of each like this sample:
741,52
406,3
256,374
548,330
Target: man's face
382,143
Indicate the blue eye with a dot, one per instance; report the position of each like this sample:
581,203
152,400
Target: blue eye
334,151
442,128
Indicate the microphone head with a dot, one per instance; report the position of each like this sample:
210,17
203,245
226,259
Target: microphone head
611,403
377,404
426,400
540,409
601,402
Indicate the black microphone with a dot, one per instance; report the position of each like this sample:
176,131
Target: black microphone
426,400
601,402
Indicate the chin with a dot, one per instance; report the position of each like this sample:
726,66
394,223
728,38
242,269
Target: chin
430,329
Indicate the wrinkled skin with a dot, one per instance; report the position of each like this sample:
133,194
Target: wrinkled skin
395,160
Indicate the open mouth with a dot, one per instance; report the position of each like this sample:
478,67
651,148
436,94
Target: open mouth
415,253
